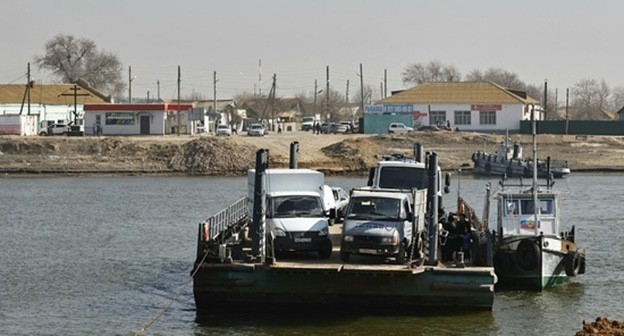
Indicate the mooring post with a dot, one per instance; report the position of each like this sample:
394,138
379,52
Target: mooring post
418,152
258,230
294,149
432,202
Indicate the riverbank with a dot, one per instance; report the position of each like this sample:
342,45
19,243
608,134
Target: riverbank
232,156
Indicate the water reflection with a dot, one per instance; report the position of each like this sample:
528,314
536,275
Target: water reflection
350,323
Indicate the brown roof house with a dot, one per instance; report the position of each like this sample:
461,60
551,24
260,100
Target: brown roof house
468,106
49,103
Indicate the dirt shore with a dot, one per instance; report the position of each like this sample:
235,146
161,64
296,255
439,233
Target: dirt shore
337,154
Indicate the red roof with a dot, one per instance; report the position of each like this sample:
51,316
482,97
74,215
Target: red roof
136,107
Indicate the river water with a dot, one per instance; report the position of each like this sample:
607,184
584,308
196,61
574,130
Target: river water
104,255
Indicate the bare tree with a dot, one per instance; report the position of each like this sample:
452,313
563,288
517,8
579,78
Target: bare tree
590,99
617,98
71,59
431,72
499,76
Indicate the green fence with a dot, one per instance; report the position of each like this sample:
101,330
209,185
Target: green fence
378,123
574,127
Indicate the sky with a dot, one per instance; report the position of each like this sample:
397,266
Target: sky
561,41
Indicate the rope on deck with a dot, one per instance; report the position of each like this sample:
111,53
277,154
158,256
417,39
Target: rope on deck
167,306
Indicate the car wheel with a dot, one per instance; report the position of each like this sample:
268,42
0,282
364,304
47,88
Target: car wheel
401,257
43,133
325,252
391,132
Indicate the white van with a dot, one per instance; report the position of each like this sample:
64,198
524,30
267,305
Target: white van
295,214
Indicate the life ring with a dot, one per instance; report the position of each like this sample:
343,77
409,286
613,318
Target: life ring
528,255
572,263
488,167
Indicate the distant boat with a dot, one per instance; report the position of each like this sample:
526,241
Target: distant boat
530,251
508,160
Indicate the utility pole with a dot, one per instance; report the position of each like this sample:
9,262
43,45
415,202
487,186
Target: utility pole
272,94
28,86
158,92
214,93
179,123
260,77
381,90
327,97
148,100
361,89
315,94
75,94
545,97
130,84
566,109
347,109
385,93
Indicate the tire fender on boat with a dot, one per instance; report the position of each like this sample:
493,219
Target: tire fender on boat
488,167
572,263
528,254
509,170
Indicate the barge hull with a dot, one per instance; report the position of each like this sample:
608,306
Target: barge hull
342,286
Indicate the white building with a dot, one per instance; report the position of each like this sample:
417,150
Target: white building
468,106
137,119
49,103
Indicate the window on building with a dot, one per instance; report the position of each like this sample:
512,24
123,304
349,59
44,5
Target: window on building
462,118
437,118
487,117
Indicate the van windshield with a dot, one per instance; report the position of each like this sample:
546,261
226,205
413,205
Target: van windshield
402,178
296,206
374,208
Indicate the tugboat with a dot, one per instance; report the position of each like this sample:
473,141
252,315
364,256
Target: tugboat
508,160
530,252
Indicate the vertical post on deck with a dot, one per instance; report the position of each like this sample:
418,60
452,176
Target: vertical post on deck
294,149
432,208
258,229
418,152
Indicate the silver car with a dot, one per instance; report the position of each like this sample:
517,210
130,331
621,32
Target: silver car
224,130
255,130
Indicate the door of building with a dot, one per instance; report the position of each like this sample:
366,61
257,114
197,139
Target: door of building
145,124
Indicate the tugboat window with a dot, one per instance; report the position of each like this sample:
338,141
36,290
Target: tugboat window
526,206
546,207
512,207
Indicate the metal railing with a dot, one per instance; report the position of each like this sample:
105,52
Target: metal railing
224,219
220,227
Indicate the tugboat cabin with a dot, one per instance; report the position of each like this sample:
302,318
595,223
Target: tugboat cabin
517,215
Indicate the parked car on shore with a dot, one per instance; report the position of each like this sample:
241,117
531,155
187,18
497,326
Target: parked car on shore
434,128
399,128
55,129
325,128
256,130
224,130
335,128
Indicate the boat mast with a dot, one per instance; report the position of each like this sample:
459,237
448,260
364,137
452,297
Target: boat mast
535,200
